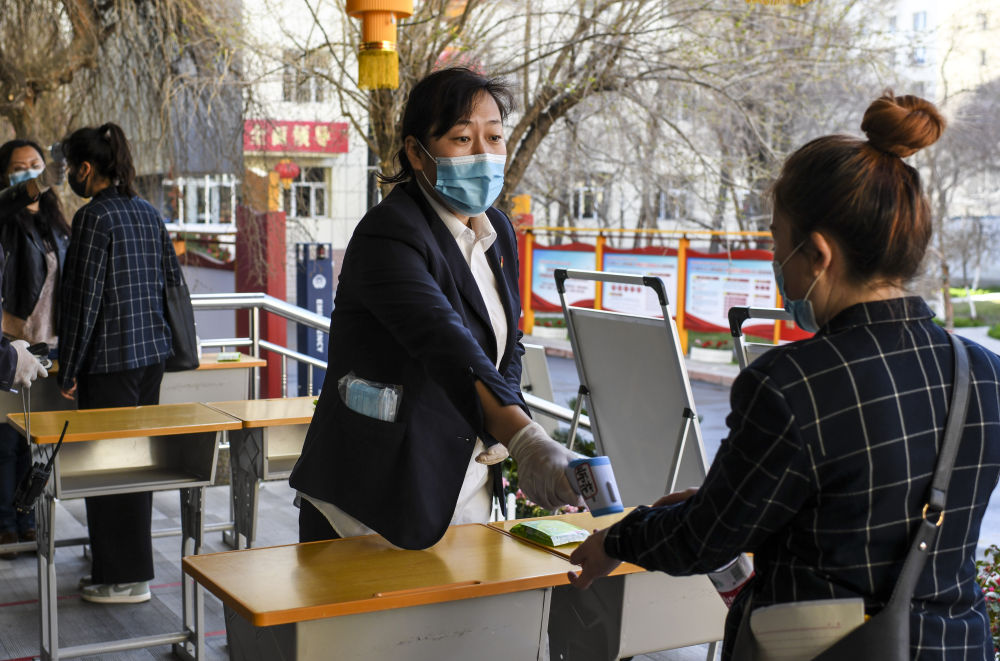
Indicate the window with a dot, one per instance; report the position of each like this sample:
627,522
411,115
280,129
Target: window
982,57
306,197
982,20
920,21
206,200
671,204
585,201
301,79
893,23
918,56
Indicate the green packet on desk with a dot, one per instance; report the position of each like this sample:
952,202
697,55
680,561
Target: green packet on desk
550,532
227,357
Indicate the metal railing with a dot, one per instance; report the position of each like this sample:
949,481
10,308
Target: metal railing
256,303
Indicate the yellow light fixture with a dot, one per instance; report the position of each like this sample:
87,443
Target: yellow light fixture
378,61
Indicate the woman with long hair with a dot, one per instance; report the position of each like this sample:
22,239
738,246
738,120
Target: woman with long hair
114,339
34,240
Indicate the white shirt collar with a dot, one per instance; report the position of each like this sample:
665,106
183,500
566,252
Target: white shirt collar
480,226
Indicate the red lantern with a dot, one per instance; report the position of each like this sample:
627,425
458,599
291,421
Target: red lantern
287,170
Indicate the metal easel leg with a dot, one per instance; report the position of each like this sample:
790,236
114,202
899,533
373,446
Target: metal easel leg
675,466
713,648
577,412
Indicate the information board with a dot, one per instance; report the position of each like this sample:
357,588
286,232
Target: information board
543,285
636,299
715,285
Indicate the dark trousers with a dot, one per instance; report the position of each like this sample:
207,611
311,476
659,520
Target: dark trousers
119,525
313,526
15,460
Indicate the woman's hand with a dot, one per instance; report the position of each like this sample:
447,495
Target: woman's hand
593,560
675,497
69,393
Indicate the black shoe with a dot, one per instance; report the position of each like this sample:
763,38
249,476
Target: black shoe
8,537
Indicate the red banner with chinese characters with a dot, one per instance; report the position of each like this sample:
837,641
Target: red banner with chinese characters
268,135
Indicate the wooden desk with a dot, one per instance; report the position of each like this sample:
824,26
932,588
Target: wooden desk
480,593
211,381
630,612
266,447
125,450
477,594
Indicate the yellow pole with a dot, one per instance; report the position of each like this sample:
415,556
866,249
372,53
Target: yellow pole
529,314
599,265
682,249
777,322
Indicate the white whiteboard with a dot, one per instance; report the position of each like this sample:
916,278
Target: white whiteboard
639,395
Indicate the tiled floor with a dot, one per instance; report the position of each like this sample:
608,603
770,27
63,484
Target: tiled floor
81,622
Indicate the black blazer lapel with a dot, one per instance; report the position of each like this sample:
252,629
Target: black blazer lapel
460,270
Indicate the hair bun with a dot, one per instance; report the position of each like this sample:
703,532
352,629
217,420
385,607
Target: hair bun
902,125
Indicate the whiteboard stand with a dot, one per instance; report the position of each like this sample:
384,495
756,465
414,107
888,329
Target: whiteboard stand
747,352
642,416
641,409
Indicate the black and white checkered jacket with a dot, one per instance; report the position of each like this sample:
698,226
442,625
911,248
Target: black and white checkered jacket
833,441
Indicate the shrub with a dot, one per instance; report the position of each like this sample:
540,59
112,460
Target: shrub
988,577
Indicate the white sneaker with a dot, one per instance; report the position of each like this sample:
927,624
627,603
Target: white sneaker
116,593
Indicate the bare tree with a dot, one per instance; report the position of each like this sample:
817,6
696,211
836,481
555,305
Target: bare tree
968,151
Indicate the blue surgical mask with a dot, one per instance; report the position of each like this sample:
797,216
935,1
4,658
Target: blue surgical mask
23,175
801,309
468,184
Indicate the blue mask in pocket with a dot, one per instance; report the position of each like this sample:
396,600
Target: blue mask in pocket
801,309
469,184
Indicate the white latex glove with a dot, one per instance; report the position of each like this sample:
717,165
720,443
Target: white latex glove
28,368
541,467
494,454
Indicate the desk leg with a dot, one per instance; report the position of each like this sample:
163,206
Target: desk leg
45,514
192,596
246,463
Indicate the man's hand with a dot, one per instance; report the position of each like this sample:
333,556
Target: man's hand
28,367
541,467
592,559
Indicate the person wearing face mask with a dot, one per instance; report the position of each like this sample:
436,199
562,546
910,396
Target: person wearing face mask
422,396
114,339
34,236
833,440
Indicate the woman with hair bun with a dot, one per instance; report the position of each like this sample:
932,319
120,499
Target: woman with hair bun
113,336
834,439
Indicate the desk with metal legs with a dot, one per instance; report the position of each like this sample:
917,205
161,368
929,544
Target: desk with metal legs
266,447
477,594
125,450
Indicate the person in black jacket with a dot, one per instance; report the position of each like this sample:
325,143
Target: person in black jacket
422,396
30,222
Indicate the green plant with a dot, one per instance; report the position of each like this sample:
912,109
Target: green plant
988,577
994,331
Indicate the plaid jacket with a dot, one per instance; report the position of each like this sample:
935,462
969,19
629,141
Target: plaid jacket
112,288
833,441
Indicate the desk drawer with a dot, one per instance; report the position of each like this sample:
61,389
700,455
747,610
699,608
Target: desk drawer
127,465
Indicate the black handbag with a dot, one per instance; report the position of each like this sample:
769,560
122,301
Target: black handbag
886,635
179,315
